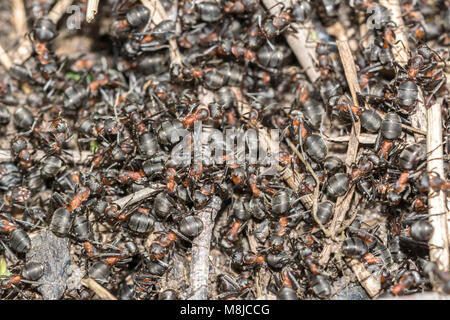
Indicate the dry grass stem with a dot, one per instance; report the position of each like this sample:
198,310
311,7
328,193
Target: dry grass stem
5,60
103,293
19,19
199,265
59,10
437,209
92,9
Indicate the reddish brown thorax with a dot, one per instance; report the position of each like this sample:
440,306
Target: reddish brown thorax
7,226
286,281
232,234
79,198
282,223
384,149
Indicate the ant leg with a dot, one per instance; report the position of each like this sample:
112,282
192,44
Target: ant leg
403,45
438,87
366,35
117,7
285,28
29,131
277,4
352,116
373,68
11,255
270,70
210,50
270,44
152,48
57,197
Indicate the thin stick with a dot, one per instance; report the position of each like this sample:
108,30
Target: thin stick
297,40
59,10
201,245
439,246
342,207
5,60
19,18
103,293
364,138
353,216
349,68
173,12
343,202
92,9
138,196
199,267
414,130
367,280
338,31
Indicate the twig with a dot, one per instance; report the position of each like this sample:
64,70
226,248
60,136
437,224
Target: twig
297,40
19,18
173,12
367,280
92,9
439,246
343,203
414,130
199,267
5,59
59,9
349,68
338,31
138,196
103,293
419,118
353,216
364,138
253,244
